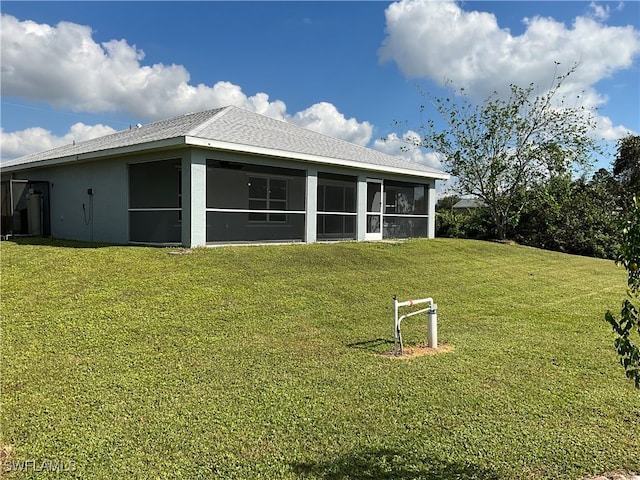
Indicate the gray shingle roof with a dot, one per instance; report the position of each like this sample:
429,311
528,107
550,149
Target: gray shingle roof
230,125
165,129
469,203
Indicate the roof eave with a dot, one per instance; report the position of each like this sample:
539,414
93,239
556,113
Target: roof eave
236,147
219,145
109,152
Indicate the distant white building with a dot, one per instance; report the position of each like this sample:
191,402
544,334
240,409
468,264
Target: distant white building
221,176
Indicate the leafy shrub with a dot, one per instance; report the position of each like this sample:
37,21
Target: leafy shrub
627,328
572,216
475,224
449,224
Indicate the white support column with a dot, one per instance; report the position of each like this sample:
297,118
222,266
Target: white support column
194,199
431,206
311,206
361,208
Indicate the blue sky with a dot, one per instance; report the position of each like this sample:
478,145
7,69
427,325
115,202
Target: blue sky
74,70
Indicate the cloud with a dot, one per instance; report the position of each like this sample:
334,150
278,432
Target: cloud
407,146
601,12
441,41
63,66
608,131
36,139
325,118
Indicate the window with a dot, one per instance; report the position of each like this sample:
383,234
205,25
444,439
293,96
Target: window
405,198
405,210
267,194
254,203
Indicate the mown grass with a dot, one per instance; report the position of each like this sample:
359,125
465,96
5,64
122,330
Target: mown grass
260,362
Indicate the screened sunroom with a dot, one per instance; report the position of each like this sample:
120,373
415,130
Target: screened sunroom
260,203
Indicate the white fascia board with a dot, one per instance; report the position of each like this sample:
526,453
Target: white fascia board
241,148
96,155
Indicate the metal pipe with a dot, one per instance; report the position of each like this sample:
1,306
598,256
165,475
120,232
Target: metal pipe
432,328
396,325
411,303
432,321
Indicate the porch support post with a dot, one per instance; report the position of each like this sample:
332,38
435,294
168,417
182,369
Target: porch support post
361,208
194,199
311,204
431,209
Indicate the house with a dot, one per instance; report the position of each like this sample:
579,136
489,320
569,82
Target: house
466,205
220,176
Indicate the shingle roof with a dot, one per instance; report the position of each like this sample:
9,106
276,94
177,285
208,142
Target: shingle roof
469,203
165,129
228,125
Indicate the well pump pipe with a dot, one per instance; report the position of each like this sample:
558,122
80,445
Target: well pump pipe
432,328
432,320
411,303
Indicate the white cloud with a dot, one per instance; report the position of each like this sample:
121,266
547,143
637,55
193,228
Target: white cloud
36,139
64,66
602,12
325,118
608,131
441,41
407,146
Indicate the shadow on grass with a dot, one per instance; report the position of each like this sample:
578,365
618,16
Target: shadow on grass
387,464
377,345
53,242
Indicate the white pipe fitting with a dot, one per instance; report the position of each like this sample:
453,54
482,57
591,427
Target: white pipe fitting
432,320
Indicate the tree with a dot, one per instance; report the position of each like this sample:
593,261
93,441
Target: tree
445,204
626,167
627,327
572,215
501,148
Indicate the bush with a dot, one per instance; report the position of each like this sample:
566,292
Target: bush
475,224
449,224
572,216
627,328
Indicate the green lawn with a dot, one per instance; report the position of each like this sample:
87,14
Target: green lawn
260,362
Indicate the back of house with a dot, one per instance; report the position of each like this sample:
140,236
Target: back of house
221,176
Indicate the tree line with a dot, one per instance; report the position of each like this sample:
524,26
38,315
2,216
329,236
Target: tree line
524,156
563,213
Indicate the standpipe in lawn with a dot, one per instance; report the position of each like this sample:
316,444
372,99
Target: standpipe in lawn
432,321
